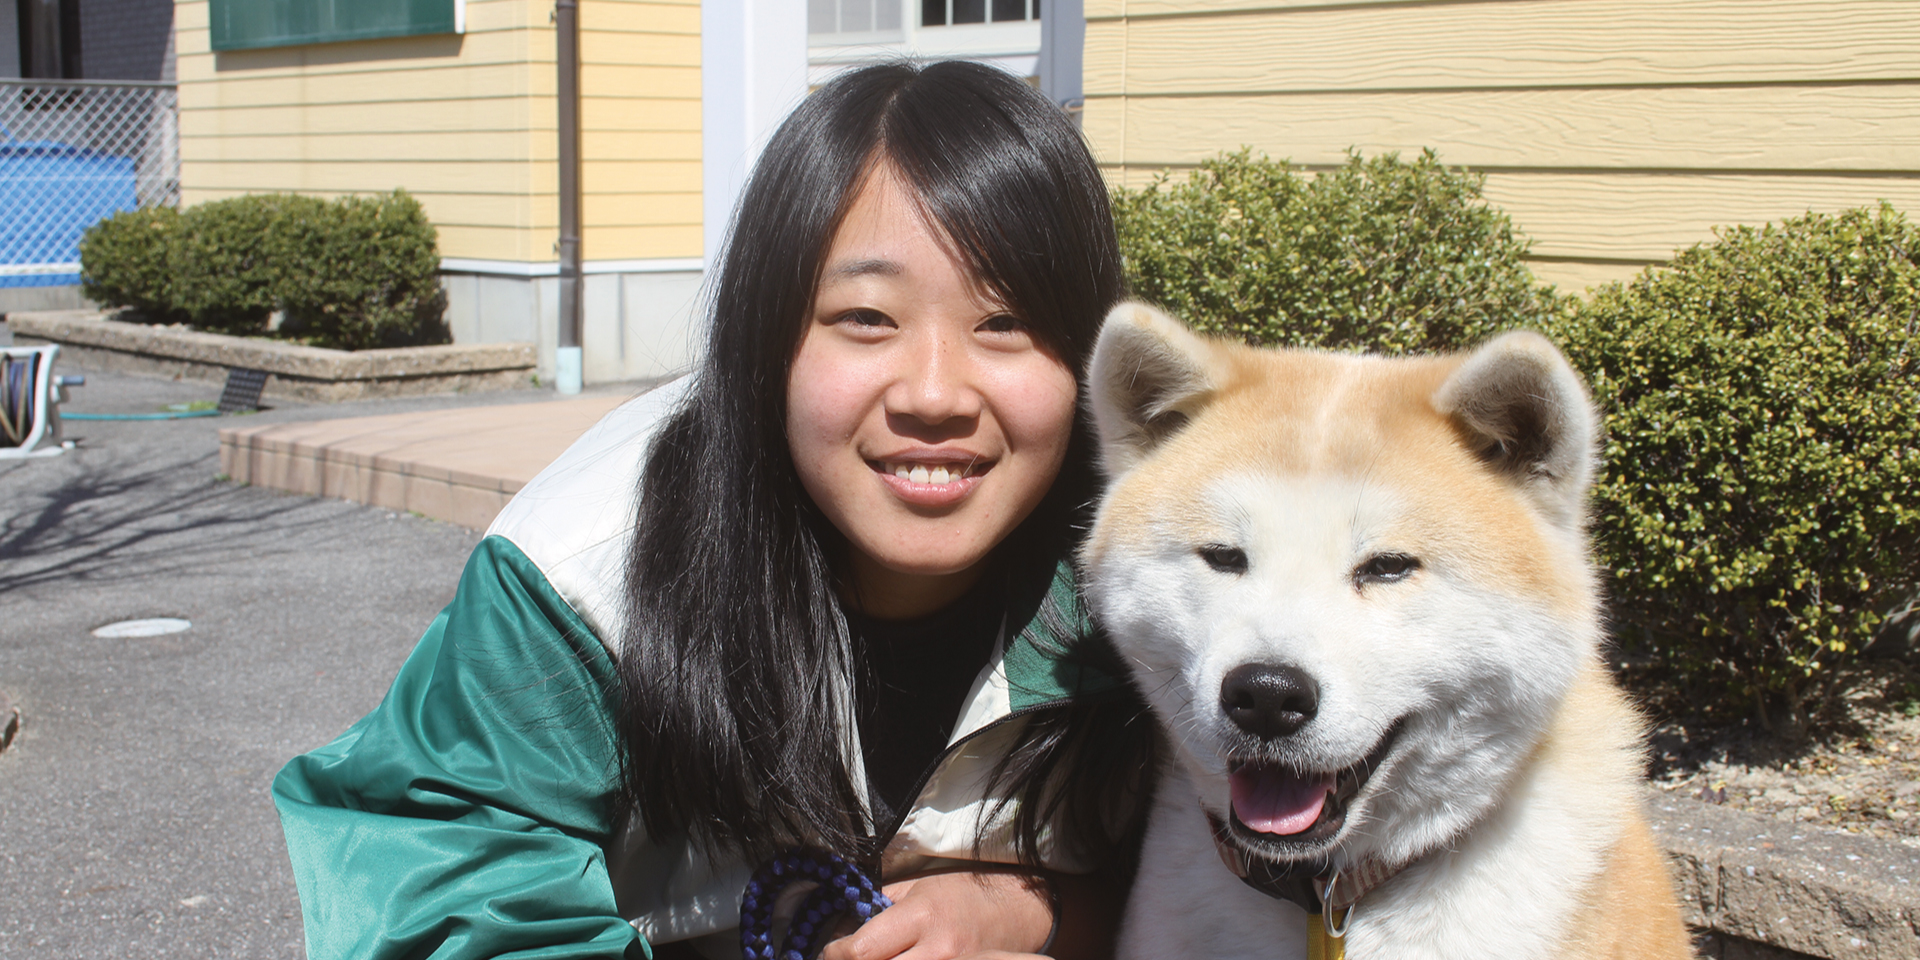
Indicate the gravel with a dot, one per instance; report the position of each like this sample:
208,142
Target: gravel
1859,771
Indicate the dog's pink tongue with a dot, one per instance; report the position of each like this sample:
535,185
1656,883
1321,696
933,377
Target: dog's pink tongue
1275,800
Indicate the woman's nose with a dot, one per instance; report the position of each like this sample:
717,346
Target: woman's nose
935,383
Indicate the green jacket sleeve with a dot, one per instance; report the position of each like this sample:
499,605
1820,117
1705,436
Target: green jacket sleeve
466,816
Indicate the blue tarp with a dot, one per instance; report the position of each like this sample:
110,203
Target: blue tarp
50,193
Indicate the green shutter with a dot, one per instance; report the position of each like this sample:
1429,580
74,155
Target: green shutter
250,24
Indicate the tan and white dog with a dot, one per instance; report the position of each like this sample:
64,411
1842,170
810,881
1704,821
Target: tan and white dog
1356,592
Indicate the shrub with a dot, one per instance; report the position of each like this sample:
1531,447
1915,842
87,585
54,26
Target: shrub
369,274
125,261
351,274
225,278
1380,254
1762,485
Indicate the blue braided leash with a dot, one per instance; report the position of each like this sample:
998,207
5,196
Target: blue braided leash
843,889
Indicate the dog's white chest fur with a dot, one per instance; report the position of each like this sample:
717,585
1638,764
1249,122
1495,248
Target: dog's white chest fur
1355,592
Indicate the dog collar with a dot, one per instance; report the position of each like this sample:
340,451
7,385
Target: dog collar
1315,887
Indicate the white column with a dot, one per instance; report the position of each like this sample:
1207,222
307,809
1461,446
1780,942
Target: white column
753,71
1063,36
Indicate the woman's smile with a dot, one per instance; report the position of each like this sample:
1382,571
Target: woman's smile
934,478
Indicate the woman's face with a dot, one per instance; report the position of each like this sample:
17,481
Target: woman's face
924,418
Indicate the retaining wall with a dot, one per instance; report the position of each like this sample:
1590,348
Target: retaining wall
94,339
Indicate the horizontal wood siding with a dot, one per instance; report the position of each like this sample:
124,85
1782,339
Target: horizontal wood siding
1613,131
640,136
462,122
465,123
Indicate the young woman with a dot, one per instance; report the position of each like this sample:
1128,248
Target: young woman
817,596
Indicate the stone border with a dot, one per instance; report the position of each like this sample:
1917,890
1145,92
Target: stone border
92,338
455,496
1798,888
460,465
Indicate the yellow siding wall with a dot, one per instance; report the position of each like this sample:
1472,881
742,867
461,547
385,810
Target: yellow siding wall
1613,131
465,123
640,128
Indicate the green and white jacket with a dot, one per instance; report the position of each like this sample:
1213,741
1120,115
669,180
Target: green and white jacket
467,815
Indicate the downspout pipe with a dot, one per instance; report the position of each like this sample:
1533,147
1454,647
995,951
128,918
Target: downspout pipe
567,359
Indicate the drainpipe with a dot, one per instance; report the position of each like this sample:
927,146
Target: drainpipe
1063,39
566,21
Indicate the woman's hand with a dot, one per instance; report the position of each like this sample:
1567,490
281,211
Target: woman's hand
961,912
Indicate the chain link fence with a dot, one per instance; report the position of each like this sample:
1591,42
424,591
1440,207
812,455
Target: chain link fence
73,152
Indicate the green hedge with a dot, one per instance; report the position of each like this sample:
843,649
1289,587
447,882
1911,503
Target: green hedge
226,274
126,260
1760,507
1383,254
353,274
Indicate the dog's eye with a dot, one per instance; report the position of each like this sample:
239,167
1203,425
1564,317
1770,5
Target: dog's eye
1224,558
1385,568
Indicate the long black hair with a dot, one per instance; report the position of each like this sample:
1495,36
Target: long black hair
735,669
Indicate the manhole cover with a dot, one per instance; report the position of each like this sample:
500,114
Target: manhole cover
150,627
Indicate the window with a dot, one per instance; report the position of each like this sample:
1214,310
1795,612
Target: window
940,13
249,24
49,39
842,34
853,16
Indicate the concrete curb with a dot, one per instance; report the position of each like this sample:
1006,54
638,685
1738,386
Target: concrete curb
307,373
1791,886
459,465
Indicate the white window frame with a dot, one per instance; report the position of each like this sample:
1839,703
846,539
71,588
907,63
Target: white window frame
1012,45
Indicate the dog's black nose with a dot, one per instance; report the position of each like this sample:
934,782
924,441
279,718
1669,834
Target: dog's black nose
1269,700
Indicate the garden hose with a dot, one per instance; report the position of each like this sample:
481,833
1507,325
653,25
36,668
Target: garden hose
31,397
169,415
18,397
20,400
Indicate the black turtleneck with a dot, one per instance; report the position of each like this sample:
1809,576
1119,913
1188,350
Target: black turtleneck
913,679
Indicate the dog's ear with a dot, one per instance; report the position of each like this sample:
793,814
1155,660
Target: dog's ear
1523,410
1147,374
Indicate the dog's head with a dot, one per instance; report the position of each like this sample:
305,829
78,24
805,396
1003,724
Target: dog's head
1354,589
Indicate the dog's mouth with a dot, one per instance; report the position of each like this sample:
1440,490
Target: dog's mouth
1284,811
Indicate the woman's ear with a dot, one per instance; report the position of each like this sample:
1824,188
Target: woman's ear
1147,376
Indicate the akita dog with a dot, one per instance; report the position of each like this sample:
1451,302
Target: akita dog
1356,592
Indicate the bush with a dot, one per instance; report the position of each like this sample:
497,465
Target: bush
351,274
125,261
369,274
1762,486
225,279
1380,254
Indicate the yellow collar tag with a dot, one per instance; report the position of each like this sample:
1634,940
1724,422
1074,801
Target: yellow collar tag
1320,945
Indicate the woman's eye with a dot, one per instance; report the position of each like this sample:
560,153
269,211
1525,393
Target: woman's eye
866,318
1223,558
1003,323
1385,568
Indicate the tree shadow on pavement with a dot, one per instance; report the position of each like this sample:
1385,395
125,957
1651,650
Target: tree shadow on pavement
103,525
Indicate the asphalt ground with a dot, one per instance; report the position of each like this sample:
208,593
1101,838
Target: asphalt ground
135,818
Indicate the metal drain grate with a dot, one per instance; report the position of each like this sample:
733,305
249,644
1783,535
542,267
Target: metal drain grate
242,391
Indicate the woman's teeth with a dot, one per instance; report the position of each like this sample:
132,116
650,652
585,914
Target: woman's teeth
939,474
